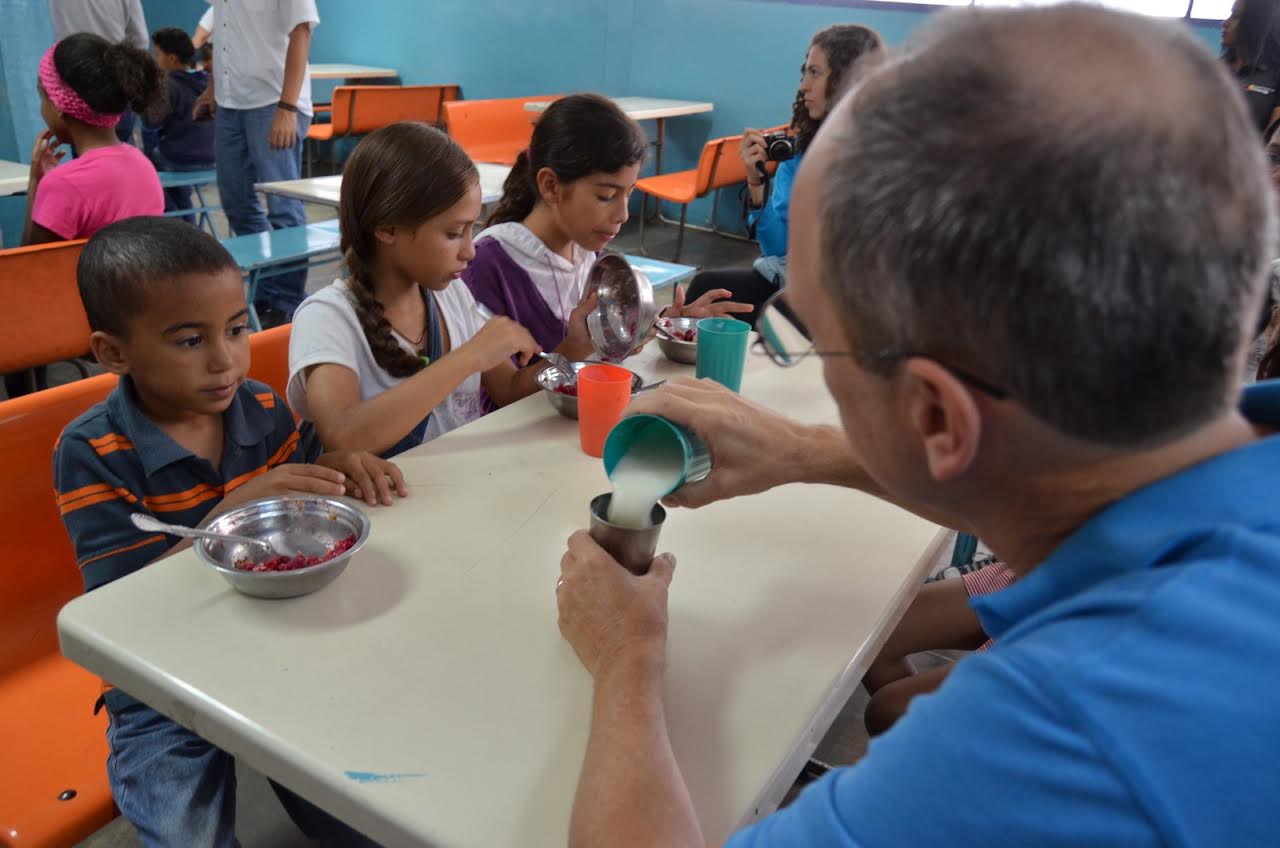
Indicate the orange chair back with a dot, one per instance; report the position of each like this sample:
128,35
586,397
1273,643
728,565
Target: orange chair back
43,319
340,110
493,130
40,575
720,165
269,357
377,106
40,571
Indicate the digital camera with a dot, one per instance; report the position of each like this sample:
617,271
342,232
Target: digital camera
779,147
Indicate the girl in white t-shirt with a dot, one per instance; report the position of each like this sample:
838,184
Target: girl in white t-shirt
397,353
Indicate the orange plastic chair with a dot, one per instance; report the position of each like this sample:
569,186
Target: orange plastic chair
43,320
269,357
53,776
493,130
359,109
719,167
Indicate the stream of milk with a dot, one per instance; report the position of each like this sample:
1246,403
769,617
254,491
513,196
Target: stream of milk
647,472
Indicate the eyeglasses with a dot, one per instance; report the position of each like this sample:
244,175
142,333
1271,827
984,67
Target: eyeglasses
783,337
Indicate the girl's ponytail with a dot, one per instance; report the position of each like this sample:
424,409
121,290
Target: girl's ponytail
577,136
111,78
519,192
142,82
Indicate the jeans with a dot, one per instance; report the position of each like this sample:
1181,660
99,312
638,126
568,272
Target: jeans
174,787
245,157
179,791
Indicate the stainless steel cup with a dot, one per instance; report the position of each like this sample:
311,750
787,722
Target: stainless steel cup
635,549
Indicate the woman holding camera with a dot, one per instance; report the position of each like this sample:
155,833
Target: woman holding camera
837,56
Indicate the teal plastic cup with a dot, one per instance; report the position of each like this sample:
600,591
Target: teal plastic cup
722,350
656,433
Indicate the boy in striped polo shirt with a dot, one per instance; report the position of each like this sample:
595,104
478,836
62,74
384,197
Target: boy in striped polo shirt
183,437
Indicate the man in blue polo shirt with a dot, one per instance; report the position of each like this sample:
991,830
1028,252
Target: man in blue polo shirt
1032,284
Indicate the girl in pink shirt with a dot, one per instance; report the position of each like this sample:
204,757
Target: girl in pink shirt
86,84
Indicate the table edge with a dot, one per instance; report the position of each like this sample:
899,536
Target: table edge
784,775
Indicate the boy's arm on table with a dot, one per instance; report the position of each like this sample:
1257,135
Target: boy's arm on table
367,477
96,505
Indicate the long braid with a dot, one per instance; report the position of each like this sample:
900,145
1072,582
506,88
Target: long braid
398,177
387,352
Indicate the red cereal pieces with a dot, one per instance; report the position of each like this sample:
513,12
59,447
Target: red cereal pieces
689,335
293,563
571,391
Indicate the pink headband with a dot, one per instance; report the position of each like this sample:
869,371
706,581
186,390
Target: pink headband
66,100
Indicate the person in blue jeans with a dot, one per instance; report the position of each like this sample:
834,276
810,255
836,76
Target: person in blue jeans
179,141
261,88
184,437
1035,329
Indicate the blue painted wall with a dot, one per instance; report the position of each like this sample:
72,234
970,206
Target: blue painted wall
173,13
742,54
24,36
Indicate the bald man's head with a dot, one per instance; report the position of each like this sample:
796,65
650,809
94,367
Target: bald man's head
1069,202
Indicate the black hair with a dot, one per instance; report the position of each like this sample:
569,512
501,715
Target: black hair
175,42
398,176
1257,44
847,46
577,136
125,263
112,77
1269,365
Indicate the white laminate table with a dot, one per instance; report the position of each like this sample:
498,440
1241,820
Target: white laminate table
427,697
13,177
648,109
326,190
321,70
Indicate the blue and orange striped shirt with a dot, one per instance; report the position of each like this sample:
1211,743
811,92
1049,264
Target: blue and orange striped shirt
113,461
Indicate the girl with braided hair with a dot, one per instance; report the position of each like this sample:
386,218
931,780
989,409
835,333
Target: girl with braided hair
396,352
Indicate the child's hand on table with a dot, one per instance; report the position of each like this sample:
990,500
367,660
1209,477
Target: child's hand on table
499,340
287,479
368,477
713,304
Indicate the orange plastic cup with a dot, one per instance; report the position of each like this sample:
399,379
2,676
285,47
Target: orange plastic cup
603,392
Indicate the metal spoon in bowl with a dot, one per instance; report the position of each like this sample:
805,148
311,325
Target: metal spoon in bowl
665,333
150,525
559,363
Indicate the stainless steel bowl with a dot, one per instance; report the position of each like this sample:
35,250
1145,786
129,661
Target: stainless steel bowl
625,312
296,524
567,405
686,352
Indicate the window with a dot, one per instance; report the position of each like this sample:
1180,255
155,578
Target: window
1211,10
